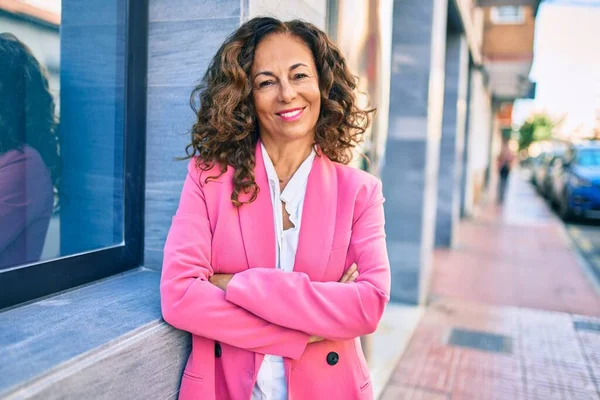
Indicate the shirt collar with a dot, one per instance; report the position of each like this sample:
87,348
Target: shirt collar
293,191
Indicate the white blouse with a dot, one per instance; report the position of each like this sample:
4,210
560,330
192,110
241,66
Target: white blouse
271,383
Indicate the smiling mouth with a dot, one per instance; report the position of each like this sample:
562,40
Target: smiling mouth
291,115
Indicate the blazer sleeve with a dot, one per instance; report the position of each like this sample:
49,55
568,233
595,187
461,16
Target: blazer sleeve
331,310
191,303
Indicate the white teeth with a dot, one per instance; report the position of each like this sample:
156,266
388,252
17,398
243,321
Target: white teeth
291,114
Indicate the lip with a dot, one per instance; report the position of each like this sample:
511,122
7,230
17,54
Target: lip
292,118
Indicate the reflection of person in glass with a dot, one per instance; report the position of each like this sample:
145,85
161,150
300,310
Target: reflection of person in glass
276,259
29,154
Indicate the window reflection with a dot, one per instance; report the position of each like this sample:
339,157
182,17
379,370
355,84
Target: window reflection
29,153
62,72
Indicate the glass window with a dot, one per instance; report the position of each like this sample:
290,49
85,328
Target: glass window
568,157
589,158
63,84
507,15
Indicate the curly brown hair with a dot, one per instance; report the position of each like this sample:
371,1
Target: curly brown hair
226,129
27,107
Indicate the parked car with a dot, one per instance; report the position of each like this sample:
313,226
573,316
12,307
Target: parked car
534,164
540,169
545,171
576,181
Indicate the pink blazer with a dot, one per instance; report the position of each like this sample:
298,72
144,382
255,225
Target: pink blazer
26,202
265,310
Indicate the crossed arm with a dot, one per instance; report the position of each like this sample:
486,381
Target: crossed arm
192,298
222,280
326,309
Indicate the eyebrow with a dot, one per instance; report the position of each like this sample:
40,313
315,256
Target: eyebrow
269,73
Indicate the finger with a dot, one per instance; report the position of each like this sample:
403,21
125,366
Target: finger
352,273
353,270
348,273
345,277
353,277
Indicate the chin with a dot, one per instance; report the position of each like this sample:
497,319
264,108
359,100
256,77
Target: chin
297,133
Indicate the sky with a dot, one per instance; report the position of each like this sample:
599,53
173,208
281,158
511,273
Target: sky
566,64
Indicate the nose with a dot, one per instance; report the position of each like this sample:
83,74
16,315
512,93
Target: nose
287,92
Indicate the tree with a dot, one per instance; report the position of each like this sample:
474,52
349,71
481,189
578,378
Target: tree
596,131
537,127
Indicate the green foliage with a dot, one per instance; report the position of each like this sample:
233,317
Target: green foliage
537,127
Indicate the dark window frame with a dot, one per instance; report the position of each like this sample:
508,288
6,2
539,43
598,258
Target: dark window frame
33,281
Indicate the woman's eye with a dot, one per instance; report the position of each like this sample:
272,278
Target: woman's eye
265,83
300,76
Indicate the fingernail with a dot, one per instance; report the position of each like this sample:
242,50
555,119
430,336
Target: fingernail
355,274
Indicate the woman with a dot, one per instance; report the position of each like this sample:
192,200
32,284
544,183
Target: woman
259,260
29,154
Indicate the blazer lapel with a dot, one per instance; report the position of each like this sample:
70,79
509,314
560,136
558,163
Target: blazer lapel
317,227
318,219
256,221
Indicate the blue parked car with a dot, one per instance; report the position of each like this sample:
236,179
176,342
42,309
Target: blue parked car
576,181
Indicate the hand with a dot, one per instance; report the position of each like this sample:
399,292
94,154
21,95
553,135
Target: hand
220,280
349,276
315,339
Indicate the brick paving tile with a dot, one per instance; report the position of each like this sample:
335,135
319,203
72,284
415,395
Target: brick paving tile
396,392
426,372
483,364
595,372
541,392
490,392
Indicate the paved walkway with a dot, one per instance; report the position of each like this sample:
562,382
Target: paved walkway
517,255
534,355
512,316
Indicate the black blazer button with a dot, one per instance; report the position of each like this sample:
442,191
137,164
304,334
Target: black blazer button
217,350
332,358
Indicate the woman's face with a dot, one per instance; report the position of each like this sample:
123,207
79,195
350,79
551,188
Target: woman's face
285,88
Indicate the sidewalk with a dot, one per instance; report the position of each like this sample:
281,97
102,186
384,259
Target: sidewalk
513,314
516,255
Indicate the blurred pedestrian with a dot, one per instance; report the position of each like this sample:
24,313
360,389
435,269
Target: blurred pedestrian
276,259
505,163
